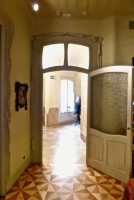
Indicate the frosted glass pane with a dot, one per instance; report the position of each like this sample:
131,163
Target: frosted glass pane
53,55
78,56
63,96
109,103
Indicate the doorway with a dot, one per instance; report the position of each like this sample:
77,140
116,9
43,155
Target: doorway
66,61
60,135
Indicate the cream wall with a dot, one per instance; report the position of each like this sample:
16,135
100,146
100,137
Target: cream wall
77,84
118,41
20,71
50,91
125,41
114,30
65,25
107,29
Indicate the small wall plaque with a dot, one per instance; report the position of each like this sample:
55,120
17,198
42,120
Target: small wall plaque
52,77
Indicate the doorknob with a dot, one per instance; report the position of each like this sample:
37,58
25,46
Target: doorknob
128,128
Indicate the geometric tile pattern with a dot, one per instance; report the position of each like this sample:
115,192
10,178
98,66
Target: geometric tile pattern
41,182
64,174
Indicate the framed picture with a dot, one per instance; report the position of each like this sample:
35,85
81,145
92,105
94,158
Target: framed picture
21,95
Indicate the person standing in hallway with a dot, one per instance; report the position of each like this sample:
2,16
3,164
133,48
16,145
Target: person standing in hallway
77,110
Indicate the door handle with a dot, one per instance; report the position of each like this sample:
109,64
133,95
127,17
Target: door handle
128,128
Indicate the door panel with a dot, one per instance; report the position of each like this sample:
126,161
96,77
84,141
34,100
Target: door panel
109,142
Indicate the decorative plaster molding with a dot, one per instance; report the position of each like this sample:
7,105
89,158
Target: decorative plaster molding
63,34
7,30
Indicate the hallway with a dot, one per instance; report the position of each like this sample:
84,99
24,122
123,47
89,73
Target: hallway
64,174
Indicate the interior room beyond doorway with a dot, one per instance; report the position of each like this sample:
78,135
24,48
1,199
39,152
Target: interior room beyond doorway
59,128
60,90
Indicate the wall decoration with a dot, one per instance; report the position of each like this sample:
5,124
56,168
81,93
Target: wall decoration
21,95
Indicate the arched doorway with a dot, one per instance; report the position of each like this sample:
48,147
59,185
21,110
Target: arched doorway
94,46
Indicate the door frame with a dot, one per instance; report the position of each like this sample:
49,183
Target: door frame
6,35
38,42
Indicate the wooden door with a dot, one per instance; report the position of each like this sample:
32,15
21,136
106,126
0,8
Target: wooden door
109,135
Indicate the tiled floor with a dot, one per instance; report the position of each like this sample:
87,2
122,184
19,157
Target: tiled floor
64,174
63,145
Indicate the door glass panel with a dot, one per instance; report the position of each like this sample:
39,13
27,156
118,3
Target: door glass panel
53,55
109,103
78,56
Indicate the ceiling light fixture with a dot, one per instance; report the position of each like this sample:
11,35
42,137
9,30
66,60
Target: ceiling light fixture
35,5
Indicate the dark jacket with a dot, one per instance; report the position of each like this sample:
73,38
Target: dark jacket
77,107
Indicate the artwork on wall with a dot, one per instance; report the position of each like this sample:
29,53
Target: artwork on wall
21,95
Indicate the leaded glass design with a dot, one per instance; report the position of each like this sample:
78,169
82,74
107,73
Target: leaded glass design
109,103
53,55
78,56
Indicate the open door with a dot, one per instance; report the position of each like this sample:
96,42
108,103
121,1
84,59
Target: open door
109,135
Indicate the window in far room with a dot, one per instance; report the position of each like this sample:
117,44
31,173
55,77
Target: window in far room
66,95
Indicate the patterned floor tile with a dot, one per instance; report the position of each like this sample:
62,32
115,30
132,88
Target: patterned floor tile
64,181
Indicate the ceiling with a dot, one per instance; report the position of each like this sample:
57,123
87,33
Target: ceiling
96,9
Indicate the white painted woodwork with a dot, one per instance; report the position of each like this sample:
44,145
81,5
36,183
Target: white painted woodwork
84,87
38,42
112,154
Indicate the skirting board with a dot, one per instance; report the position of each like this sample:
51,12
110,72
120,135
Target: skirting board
16,175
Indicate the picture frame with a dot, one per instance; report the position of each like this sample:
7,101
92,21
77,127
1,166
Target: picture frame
21,95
